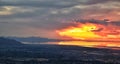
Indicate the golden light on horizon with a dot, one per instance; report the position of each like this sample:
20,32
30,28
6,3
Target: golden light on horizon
80,32
91,44
111,45
91,31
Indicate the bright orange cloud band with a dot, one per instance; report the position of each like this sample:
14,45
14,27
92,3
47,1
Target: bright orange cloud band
91,31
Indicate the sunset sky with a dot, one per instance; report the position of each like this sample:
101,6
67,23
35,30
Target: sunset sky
42,18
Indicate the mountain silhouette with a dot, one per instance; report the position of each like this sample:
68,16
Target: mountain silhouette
7,41
34,39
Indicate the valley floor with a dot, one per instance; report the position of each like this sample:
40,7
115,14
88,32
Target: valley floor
57,54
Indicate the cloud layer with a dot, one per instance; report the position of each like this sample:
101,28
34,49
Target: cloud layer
39,16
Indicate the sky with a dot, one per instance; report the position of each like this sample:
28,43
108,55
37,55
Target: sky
40,18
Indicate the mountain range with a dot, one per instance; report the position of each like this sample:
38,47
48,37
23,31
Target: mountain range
7,41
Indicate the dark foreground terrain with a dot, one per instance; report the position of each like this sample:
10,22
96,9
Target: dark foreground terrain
56,54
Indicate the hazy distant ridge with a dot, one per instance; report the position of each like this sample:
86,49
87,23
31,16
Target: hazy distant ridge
33,39
7,41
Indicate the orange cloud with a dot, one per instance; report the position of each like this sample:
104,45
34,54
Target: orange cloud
92,31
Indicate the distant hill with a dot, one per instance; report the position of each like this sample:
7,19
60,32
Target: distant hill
7,41
33,39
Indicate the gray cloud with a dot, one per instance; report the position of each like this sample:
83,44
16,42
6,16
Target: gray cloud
52,14
50,3
103,22
37,3
88,2
4,22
